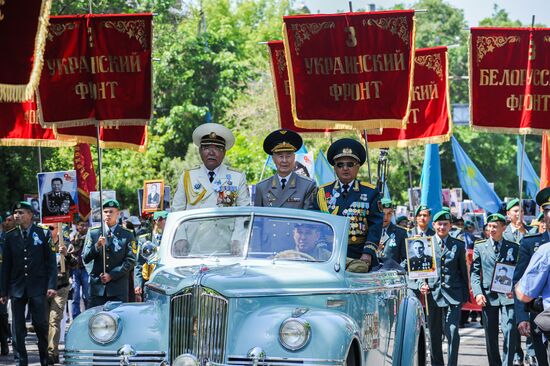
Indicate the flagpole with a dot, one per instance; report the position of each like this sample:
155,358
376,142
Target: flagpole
410,179
39,159
99,167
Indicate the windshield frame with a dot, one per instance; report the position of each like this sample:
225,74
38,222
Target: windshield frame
168,258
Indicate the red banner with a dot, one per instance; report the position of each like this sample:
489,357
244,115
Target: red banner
351,69
123,137
429,119
23,29
97,68
281,89
85,177
545,162
19,127
510,79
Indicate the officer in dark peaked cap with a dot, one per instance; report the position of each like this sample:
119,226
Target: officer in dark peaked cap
285,188
119,245
359,201
28,275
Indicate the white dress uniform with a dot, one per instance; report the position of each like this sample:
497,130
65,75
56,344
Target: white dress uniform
194,189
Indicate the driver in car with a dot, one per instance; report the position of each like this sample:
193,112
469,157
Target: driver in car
308,244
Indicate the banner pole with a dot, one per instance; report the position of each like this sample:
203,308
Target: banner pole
60,241
410,179
99,167
367,150
39,159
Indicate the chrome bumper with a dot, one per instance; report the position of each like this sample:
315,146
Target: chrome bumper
278,361
113,358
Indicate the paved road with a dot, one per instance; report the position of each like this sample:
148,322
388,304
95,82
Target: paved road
472,348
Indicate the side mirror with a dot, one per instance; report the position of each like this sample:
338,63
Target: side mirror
148,250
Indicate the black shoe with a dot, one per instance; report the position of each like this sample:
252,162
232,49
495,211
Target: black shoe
517,363
4,349
52,360
531,361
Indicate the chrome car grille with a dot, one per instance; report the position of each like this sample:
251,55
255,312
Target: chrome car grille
198,324
110,358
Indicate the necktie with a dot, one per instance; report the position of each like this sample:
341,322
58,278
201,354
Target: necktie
25,234
383,232
345,189
421,233
283,183
496,246
211,176
442,244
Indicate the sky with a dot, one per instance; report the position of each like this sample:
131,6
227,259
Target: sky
474,10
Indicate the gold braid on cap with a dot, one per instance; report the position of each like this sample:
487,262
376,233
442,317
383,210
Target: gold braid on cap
283,146
346,151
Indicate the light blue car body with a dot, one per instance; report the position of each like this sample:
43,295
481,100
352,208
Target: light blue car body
229,310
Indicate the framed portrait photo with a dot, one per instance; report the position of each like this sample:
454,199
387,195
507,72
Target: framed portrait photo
153,195
95,204
58,197
502,278
421,257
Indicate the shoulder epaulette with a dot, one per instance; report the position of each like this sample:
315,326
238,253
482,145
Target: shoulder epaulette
531,235
365,184
299,176
326,184
480,241
9,231
194,168
233,169
95,227
129,230
42,226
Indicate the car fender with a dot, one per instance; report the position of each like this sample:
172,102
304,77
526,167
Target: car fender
332,332
410,336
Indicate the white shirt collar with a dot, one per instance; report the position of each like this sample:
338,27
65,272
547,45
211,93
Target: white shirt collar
350,183
287,178
216,171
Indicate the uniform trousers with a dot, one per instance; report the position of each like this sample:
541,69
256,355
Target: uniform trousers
37,309
56,308
4,325
490,316
443,318
529,350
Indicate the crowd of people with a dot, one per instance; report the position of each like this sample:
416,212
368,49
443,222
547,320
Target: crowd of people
95,265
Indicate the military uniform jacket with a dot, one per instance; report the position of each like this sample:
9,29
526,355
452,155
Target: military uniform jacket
528,245
362,206
56,204
515,235
483,265
194,189
298,193
450,287
28,267
119,258
392,244
415,231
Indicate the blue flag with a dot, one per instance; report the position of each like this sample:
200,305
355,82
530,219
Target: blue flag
323,170
430,181
473,182
530,177
386,191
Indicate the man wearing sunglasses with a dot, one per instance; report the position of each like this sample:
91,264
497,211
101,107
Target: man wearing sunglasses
211,184
359,201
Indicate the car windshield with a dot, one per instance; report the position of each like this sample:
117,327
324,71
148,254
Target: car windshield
254,236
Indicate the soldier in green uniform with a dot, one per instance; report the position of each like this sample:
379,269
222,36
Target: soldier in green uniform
28,277
359,201
422,216
528,245
392,241
487,253
447,292
144,267
110,284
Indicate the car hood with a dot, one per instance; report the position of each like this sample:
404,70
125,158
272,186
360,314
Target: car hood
246,280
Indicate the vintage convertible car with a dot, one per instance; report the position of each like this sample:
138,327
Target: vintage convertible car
255,286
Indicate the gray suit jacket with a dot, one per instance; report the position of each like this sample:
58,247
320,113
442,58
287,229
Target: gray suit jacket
298,193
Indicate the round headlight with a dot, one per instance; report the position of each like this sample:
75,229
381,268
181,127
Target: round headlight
294,333
103,327
185,360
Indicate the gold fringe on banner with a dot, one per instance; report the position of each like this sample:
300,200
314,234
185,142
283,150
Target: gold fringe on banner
79,139
36,143
21,93
347,125
514,130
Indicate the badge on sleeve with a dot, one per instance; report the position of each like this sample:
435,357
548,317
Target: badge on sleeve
134,247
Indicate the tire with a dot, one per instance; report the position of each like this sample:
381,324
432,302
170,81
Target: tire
351,360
